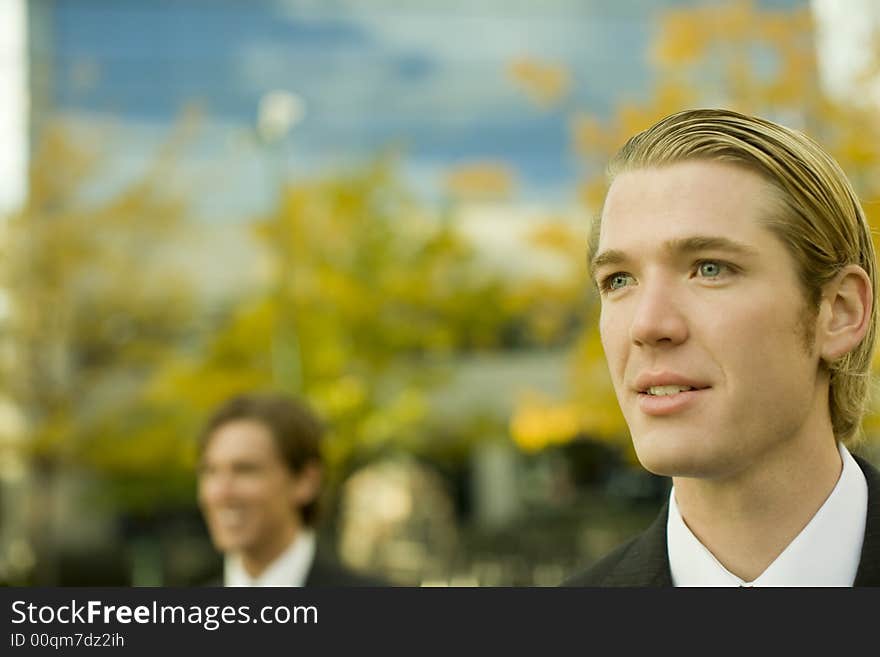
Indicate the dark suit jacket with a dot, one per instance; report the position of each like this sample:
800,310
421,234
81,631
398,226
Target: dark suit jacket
323,573
330,573
644,561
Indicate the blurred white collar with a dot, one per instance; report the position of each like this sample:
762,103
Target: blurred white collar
290,568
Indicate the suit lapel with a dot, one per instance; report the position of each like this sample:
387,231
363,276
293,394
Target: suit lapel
646,561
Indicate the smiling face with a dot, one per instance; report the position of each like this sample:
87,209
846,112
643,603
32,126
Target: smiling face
707,333
247,494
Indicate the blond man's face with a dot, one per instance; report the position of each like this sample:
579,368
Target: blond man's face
703,320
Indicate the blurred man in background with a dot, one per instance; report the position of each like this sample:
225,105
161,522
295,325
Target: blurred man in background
259,481
737,279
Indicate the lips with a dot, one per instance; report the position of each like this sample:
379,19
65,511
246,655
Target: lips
668,393
229,519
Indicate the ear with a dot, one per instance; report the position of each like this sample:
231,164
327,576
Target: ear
847,302
306,484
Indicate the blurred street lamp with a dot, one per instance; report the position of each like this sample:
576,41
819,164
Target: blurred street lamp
278,113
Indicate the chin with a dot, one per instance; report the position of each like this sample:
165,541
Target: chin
663,467
226,543
677,458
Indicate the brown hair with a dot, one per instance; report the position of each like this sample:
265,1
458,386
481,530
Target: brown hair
295,429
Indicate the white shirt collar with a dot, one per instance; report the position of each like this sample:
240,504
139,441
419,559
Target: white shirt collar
825,553
290,568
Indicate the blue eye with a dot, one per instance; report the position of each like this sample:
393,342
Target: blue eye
617,281
709,269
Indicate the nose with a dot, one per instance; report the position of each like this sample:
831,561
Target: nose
658,320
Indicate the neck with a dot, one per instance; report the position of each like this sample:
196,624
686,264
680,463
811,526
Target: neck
257,559
746,520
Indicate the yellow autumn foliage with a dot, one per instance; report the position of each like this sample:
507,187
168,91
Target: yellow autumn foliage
480,180
546,84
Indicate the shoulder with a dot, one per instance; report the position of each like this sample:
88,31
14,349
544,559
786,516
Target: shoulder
209,574
598,573
641,561
329,572
872,475
211,578
868,573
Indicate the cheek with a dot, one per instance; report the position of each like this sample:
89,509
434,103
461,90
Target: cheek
257,493
613,340
762,346
269,495
209,493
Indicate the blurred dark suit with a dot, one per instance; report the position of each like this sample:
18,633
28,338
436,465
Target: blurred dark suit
323,573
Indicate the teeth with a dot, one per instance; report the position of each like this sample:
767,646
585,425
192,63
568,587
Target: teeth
667,390
229,517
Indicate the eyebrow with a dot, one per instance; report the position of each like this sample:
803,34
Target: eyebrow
681,246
